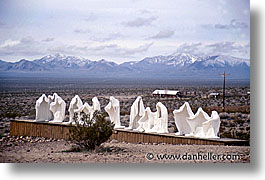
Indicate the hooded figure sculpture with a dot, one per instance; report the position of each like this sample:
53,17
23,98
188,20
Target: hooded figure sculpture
76,103
113,110
137,111
42,107
146,122
161,119
211,127
50,99
181,116
58,108
196,123
89,110
96,104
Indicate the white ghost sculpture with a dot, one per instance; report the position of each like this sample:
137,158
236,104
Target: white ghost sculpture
146,122
76,103
58,109
50,99
87,109
211,126
137,111
161,119
96,104
196,123
113,110
42,107
181,116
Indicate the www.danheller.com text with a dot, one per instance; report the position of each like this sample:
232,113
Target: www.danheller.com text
193,156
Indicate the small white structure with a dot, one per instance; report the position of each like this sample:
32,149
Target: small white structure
161,119
58,108
76,103
137,111
42,107
166,93
181,116
213,95
113,110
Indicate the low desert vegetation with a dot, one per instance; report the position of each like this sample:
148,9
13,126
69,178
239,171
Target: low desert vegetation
89,133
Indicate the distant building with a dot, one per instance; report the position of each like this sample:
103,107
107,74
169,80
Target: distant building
213,95
166,93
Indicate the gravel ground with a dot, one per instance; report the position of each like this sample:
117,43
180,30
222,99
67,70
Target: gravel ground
39,150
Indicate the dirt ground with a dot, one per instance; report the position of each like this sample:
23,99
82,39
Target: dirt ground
41,150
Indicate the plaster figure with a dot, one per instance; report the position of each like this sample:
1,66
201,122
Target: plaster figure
96,104
137,111
211,126
196,122
58,108
42,107
161,119
76,103
146,122
181,116
113,110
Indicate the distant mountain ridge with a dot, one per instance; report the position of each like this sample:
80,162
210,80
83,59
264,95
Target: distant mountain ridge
178,66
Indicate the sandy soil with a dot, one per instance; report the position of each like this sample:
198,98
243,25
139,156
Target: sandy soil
28,149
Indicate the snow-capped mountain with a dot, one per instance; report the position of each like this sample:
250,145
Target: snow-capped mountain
172,66
223,61
61,61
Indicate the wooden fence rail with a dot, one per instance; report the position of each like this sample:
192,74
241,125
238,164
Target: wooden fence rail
61,131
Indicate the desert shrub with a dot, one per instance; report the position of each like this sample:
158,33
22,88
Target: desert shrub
89,134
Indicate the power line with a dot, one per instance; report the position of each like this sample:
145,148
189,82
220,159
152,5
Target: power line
224,89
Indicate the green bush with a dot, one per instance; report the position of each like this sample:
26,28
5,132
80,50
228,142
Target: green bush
89,134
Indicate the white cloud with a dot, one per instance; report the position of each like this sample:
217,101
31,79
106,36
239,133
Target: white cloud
121,28
140,21
9,43
163,34
216,48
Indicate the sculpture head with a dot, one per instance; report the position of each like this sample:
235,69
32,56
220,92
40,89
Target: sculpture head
114,102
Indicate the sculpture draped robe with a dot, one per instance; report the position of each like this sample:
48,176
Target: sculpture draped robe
76,103
113,110
58,108
137,111
181,116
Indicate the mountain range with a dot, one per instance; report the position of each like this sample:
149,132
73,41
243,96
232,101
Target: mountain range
176,66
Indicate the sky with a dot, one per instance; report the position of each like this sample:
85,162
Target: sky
123,30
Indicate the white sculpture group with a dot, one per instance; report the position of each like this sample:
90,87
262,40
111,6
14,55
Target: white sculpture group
77,106
52,108
188,124
198,125
144,120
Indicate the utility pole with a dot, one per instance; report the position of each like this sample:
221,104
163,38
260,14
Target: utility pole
224,90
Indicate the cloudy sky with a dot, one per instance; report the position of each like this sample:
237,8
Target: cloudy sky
123,30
